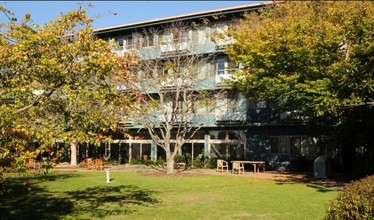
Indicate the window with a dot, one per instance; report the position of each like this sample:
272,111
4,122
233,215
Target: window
224,66
294,146
279,145
220,30
148,40
129,42
165,38
205,71
119,41
133,42
202,34
221,65
260,104
204,106
230,102
302,147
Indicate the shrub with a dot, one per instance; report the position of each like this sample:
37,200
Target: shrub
355,202
158,163
184,158
212,163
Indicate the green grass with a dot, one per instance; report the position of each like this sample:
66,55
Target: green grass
133,195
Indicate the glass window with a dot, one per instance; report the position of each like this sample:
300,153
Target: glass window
206,105
129,42
221,65
206,70
302,147
231,102
260,104
202,34
119,41
150,40
295,146
279,145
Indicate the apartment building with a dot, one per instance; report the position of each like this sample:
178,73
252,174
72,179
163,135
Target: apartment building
229,126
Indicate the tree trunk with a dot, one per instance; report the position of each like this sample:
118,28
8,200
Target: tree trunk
169,163
73,153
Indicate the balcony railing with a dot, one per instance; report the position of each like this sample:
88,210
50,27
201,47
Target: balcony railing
223,76
222,117
176,119
127,122
173,83
175,46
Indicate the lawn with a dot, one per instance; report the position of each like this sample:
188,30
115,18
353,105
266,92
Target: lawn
137,195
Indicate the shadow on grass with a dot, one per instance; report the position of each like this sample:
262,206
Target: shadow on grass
104,201
28,201
321,185
25,201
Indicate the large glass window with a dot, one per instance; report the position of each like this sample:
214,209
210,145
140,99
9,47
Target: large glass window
302,147
294,146
231,102
205,71
149,40
204,106
279,145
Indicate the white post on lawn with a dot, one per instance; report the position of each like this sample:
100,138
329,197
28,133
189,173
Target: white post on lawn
107,176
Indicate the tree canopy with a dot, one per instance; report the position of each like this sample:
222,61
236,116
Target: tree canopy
57,81
316,56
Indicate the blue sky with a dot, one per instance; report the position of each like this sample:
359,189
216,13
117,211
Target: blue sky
111,13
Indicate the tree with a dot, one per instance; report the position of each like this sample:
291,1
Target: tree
314,57
170,88
58,81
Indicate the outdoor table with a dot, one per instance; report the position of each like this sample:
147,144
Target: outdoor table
256,164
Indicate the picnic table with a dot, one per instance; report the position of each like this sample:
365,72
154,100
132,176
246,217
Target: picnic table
256,164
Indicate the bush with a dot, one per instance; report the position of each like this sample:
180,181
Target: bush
184,158
355,202
212,163
158,163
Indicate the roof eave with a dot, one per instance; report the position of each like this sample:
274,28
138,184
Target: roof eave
194,15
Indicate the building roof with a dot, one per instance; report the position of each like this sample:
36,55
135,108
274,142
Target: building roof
241,8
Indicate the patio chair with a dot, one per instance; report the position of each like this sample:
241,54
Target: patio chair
88,163
221,165
237,167
32,164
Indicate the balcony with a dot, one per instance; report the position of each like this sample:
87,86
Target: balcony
222,76
230,117
127,122
174,47
121,50
177,118
174,83
222,43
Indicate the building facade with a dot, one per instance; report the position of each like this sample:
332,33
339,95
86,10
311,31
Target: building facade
229,125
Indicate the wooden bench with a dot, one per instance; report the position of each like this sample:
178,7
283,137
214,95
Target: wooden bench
177,165
180,165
